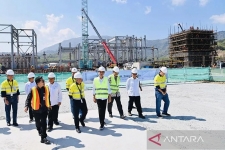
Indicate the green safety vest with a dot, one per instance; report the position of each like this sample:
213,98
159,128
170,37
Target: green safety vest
101,89
114,84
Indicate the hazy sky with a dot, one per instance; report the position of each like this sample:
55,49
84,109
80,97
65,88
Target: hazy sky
58,20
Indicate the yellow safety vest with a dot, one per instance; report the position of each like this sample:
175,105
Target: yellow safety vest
69,82
101,89
77,91
114,85
35,102
160,81
10,87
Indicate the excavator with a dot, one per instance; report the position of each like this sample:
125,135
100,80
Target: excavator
113,59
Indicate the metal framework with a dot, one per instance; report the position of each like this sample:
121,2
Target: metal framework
84,35
125,49
25,43
193,47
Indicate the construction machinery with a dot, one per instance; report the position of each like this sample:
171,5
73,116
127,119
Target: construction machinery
113,59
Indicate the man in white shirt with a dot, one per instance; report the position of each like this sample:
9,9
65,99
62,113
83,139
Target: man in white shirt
132,86
56,99
28,86
101,92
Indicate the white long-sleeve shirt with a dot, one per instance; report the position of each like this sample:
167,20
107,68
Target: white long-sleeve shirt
29,86
55,93
101,80
132,86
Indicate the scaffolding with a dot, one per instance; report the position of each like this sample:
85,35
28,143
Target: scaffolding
25,43
193,48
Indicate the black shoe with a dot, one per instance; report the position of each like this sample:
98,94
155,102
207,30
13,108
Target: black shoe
44,140
101,127
122,117
82,123
8,124
159,116
129,114
110,115
166,114
15,124
31,120
50,129
78,130
56,123
141,116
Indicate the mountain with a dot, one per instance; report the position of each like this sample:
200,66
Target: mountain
161,44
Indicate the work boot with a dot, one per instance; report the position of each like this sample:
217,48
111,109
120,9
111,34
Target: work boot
110,115
44,140
141,116
8,124
82,123
31,120
78,130
122,117
15,124
166,114
101,127
159,116
129,113
50,129
56,123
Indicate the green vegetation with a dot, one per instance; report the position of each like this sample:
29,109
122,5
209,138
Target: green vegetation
221,44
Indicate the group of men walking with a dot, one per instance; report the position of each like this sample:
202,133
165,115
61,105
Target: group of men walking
43,100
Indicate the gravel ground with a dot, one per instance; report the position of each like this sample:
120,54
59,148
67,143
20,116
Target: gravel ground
195,106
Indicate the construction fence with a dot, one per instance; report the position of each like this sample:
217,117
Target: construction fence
176,75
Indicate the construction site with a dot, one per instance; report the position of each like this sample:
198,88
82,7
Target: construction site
193,47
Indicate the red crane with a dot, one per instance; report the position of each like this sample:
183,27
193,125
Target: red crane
102,41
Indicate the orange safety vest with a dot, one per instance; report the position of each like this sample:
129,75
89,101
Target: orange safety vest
35,102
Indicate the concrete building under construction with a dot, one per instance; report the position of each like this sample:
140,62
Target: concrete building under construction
193,48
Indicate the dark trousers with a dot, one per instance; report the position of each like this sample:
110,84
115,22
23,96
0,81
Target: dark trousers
118,103
13,102
137,101
101,110
31,113
77,106
40,121
53,115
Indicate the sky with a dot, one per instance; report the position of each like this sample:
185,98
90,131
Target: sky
58,20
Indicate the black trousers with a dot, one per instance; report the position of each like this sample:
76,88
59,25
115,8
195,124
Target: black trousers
31,115
53,115
137,101
77,106
101,110
40,121
118,103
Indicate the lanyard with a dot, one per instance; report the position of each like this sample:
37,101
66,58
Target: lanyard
79,90
11,85
73,80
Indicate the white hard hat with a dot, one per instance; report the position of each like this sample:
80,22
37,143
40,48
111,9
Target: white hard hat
163,69
10,72
101,68
134,70
77,75
74,70
31,75
116,69
51,75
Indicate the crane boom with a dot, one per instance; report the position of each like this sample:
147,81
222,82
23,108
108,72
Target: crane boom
103,42
180,27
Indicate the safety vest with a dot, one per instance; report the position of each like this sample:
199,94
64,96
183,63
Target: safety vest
10,87
77,91
101,89
114,84
160,81
35,102
69,82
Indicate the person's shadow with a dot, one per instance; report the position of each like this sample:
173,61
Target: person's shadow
106,131
5,131
24,127
66,142
184,118
148,109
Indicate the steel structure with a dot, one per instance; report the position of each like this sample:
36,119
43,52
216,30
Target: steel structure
125,49
84,57
193,47
25,43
